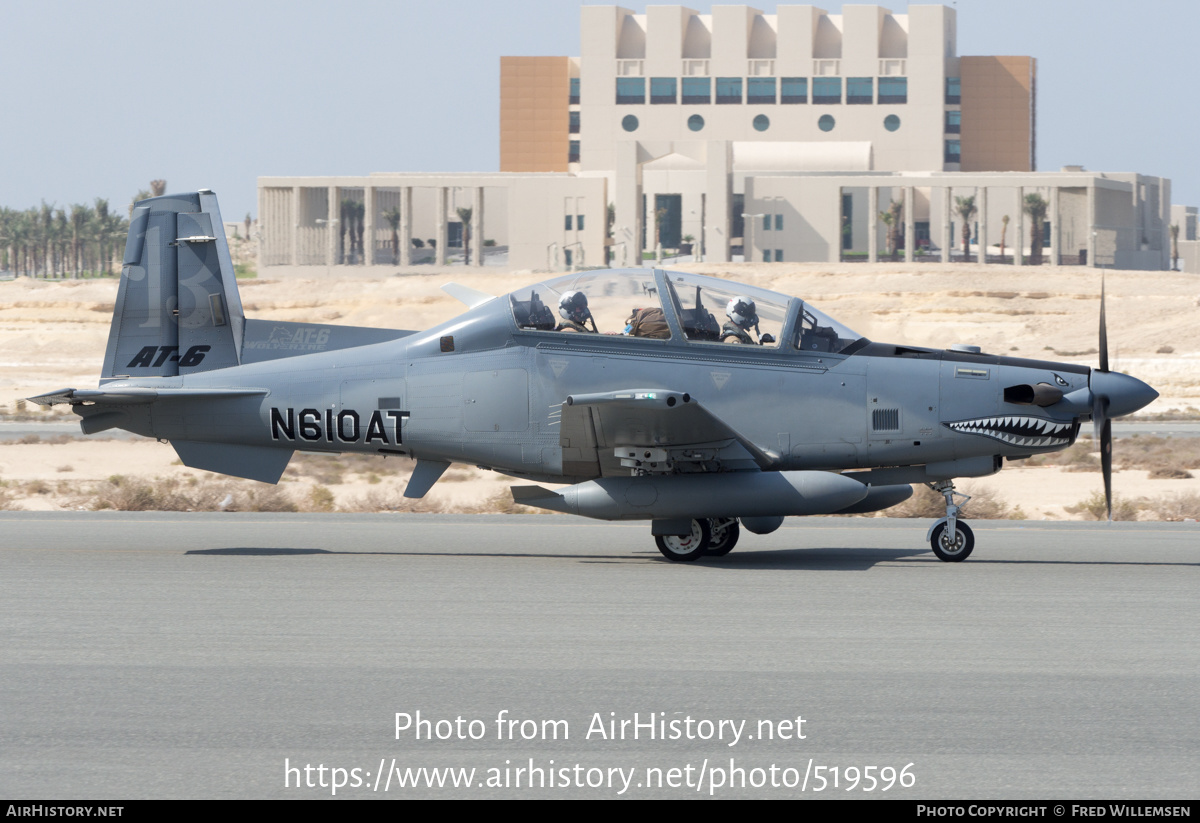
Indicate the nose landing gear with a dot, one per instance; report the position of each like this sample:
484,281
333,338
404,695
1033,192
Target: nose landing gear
952,541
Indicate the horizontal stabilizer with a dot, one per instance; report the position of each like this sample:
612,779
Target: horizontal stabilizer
134,395
252,462
466,295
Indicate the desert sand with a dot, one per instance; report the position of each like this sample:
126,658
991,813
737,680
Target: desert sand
52,335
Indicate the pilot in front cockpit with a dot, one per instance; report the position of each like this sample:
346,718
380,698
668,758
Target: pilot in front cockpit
573,309
743,316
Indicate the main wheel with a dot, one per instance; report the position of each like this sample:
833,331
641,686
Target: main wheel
960,549
686,546
725,533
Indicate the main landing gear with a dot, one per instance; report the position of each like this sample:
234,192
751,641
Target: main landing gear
709,537
951,540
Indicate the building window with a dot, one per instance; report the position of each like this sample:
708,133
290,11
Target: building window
629,122
760,90
579,222
779,222
574,98
573,122
766,222
953,151
729,89
573,152
697,90
766,255
893,89
793,90
567,222
662,90
778,255
762,122
860,90
631,90
953,122
953,90
826,123
695,122
827,90
891,122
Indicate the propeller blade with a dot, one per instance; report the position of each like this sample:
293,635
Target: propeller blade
1102,433
1103,329
1106,463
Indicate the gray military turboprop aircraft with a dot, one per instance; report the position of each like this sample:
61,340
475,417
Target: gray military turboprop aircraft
632,394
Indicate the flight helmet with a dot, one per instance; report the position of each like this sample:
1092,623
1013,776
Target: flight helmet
573,306
742,311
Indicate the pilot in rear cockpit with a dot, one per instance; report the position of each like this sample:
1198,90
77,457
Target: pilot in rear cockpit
743,316
573,308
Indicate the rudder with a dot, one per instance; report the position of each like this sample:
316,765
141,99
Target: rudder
178,309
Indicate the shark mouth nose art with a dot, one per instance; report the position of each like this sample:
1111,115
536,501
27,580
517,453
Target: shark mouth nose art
1019,430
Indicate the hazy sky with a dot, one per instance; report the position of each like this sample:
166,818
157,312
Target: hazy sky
100,98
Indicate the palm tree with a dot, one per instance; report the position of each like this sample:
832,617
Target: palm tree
79,219
1036,207
464,214
1003,235
392,216
100,232
965,206
893,219
46,229
159,187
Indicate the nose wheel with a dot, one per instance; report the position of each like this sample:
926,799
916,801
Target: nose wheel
951,539
952,549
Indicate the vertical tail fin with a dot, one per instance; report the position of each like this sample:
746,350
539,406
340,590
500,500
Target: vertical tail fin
178,309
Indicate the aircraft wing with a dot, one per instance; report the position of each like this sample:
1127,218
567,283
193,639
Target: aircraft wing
608,433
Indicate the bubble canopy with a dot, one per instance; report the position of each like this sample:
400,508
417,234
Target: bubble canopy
678,307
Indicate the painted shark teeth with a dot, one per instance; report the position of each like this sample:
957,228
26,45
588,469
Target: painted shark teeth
1018,430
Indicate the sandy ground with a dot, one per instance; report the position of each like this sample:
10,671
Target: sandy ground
52,335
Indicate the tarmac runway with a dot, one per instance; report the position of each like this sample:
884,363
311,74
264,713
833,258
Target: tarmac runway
251,655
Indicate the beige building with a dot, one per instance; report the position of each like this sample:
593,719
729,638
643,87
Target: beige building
739,134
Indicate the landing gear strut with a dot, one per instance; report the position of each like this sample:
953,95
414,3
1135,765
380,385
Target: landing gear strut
951,540
725,533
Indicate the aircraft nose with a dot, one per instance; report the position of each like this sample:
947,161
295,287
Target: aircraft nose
1126,394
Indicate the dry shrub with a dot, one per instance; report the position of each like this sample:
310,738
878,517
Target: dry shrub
1170,473
184,495
6,501
320,499
392,500
1165,350
261,498
1095,508
985,504
455,474
137,494
1183,506
65,468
